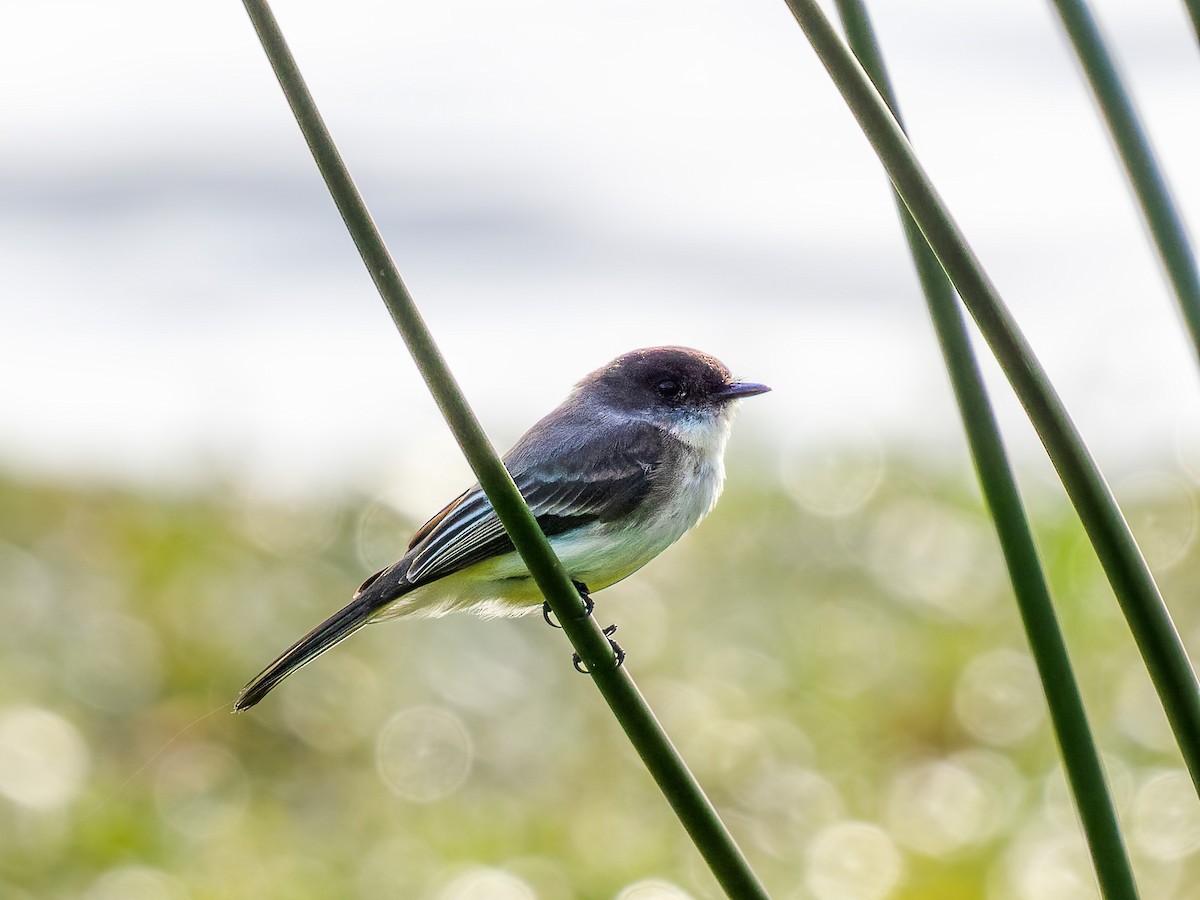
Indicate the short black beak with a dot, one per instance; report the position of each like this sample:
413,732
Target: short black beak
738,389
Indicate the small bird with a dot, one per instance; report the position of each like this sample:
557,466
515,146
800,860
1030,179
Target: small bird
628,464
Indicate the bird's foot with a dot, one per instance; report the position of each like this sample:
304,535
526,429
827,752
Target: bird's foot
584,595
618,652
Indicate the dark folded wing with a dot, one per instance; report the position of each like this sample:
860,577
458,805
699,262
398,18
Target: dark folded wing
578,484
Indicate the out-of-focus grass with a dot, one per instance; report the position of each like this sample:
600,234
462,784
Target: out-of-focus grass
839,659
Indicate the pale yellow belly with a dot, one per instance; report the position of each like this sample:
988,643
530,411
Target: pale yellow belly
596,555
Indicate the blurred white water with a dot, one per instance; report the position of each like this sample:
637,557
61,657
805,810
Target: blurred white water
559,183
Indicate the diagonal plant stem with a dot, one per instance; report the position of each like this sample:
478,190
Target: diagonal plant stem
1133,145
676,781
1193,11
1081,760
1134,586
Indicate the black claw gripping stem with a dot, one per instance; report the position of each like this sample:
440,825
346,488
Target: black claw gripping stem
617,649
584,595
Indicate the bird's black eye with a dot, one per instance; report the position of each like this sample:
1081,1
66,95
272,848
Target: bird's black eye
669,389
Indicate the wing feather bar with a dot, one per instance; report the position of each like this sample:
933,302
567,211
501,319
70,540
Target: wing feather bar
564,492
469,528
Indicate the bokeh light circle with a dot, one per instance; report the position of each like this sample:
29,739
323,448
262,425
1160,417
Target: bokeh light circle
486,884
1166,816
424,753
998,698
43,759
853,861
1162,516
937,807
836,480
119,663
136,883
935,556
653,889
1046,863
1139,714
202,790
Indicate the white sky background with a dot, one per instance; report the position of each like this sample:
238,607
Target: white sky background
559,182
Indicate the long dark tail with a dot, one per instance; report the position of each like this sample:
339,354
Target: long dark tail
378,591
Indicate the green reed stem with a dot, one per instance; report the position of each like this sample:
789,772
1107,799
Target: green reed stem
1193,11
1133,145
1081,760
1142,604
668,769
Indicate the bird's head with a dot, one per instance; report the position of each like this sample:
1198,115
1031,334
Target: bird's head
668,385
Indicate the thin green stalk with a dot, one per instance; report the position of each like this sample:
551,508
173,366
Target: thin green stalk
1133,145
1193,11
1081,760
676,781
1140,600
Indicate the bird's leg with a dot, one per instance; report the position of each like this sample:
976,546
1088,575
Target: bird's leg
588,606
618,651
584,595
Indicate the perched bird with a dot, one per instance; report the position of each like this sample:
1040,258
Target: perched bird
627,465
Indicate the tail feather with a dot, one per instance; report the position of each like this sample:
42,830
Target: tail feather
369,600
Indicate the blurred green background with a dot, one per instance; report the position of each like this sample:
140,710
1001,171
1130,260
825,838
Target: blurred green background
835,651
